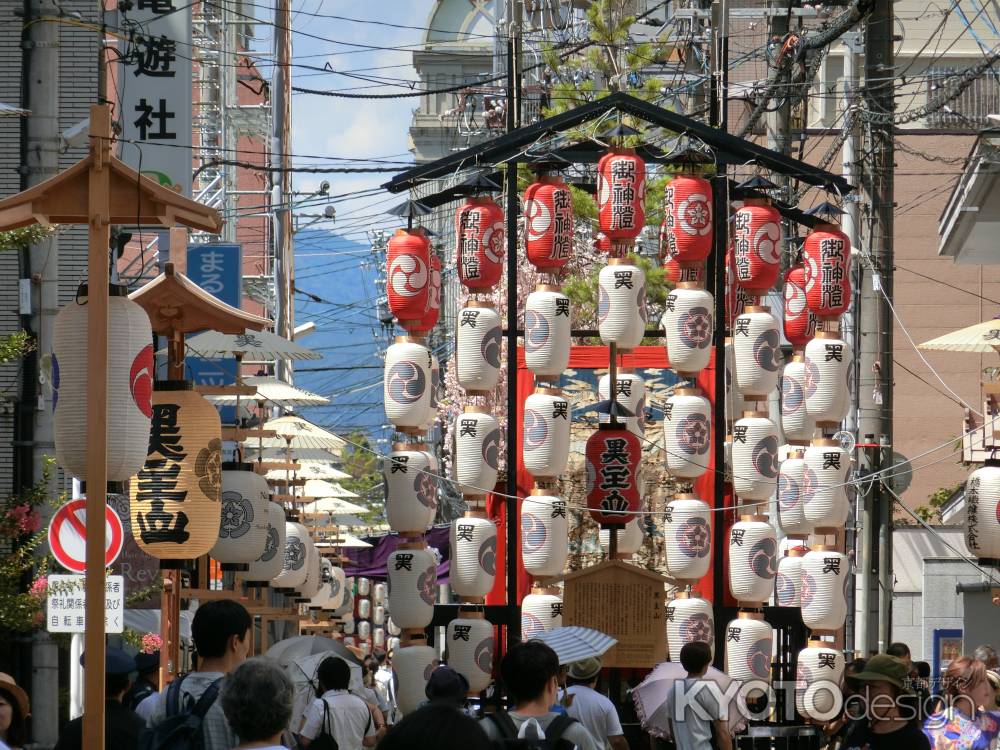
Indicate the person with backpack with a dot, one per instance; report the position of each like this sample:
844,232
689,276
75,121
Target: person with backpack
257,700
530,673
337,720
187,714
147,682
695,715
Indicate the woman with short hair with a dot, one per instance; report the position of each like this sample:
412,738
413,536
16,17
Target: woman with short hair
257,700
965,722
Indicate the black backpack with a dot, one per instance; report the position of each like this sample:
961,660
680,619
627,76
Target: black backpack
180,729
324,740
553,734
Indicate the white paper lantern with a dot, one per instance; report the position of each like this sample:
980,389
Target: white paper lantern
687,433
412,587
546,428
314,573
393,628
332,591
378,615
129,389
243,526
432,411
540,612
827,370
412,666
687,327
392,645
631,393
547,331
687,532
982,511
823,594
544,534
364,608
364,630
378,638
621,305
381,593
349,629
791,502
364,586
818,674
478,347
410,488
824,484
796,422
735,403
757,352
268,563
477,451
748,649
629,539
755,457
473,555
788,582
293,566
407,384
470,651
689,619
753,563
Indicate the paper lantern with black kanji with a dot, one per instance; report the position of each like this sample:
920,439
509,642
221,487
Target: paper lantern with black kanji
629,539
689,619
544,534
823,595
268,564
130,385
753,561
613,455
630,393
412,587
621,193
687,433
473,555
791,500
477,451
687,327
546,426
748,649
470,651
788,581
410,488
174,501
548,224
828,361
296,556
547,331
243,527
799,322
408,276
478,347
687,537
407,384
433,311
824,484
621,304
757,353
755,457
737,298
982,511
540,612
818,674
827,256
796,423
314,573
687,212
757,246
412,667
480,243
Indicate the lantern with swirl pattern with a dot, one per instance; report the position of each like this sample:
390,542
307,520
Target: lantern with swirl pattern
613,454
621,192
799,321
827,256
407,381
757,245
547,331
430,316
480,242
548,228
478,347
408,258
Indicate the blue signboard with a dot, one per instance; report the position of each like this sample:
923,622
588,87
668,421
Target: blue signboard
218,269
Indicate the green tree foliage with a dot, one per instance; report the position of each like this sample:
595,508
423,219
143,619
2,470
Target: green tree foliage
361,462
931,512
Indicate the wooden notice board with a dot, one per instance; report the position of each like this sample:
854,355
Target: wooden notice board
627,603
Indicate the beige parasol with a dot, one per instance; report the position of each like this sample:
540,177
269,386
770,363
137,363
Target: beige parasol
981,338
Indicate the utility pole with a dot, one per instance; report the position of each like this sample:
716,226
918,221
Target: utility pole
779,122
875,351
281,191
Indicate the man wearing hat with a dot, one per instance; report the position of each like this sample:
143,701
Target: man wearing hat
591,708
121,724
147,683
889,720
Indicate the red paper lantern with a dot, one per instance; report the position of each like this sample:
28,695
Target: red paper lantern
613,455
602,243
757,246
799,322
687,212
548,213
433,311
675,274
827,256
481,239
408,278
621,192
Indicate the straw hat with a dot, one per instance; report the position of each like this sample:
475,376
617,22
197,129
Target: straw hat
8,685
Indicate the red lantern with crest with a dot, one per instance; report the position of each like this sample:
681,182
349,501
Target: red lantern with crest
827,256
430,317
757,245
687,218
480,240
621,192
613,455
408,258
799,322
548,214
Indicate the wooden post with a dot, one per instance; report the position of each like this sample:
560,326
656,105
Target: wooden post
98,278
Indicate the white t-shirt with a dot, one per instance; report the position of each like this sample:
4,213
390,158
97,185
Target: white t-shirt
350,719
693,731
594,711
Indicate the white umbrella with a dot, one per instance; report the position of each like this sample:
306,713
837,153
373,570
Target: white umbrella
320,488
275,391
332,505
314,455
296,432
650,697
346,540
981,338
320,470
301,659
574,643
260,345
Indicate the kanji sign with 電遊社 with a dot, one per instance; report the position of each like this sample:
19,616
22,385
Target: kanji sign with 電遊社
66,610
